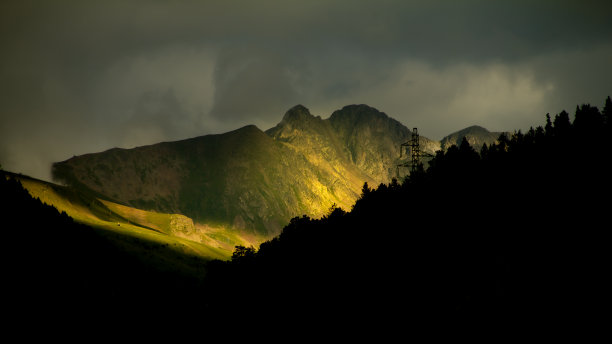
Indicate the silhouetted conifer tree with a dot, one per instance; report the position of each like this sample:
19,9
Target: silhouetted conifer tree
548,128
588,119
484,151
394,184
540,133
365,190
607,112
562,123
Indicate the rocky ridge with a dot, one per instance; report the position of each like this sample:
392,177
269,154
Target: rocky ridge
249,179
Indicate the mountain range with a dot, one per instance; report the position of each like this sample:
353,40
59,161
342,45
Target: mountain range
254,181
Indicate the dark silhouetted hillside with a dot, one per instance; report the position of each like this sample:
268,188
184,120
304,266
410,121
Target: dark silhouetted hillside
56,270
516,233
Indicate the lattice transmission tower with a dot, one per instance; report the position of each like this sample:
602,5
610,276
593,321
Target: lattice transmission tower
415,153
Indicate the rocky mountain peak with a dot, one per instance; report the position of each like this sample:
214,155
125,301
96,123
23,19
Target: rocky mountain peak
474,129
357,112
297,113
297,120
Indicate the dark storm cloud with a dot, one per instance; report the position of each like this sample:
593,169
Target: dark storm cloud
252,85
82,76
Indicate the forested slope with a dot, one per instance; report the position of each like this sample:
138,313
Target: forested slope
515,232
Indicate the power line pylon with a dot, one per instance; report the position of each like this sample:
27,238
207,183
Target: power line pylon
415,153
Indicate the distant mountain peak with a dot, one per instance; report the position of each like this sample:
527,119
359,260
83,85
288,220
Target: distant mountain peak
297,113
247,128
358,109
360,113
475,135
363,107
475,128
299,107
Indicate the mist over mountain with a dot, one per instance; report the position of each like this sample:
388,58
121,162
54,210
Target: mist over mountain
249,179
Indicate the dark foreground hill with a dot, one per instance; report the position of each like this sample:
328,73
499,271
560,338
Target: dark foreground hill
532,253
57,272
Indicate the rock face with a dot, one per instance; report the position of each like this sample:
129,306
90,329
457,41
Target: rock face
249,179
373,140
476,136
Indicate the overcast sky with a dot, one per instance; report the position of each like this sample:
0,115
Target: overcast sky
85,76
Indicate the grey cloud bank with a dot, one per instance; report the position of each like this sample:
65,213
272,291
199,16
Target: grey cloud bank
79,77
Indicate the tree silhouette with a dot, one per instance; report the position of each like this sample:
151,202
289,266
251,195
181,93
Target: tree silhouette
607,112
242,253
365,190
548,128
562,123
588,120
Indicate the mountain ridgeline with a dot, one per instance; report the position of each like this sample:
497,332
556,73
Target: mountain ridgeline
249,179
475,135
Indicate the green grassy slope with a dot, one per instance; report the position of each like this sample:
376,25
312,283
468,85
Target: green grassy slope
136,229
